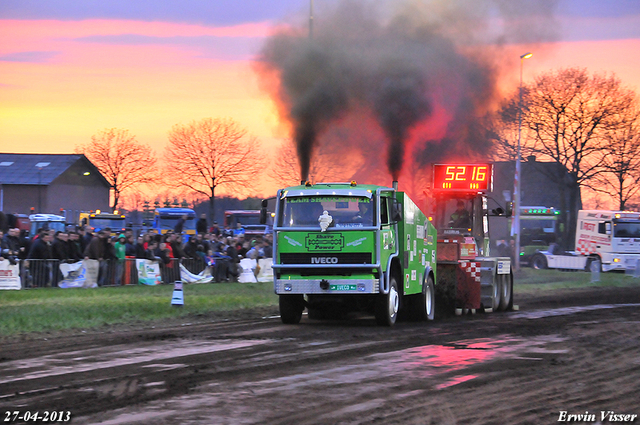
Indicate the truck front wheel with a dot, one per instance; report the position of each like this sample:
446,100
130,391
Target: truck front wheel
422,306
291,307
387,305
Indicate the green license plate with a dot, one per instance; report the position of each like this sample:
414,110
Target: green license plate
342,287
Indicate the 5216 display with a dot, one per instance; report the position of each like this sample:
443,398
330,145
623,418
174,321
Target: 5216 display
462,177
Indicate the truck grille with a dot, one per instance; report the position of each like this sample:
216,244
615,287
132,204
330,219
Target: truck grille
326,258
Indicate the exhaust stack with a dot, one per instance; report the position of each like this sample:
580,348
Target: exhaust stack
395,185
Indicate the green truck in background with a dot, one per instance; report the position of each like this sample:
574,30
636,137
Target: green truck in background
342,247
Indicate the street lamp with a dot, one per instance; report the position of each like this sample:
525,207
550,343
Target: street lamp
516,225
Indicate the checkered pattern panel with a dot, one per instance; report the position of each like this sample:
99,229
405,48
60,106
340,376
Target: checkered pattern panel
472,268
585,246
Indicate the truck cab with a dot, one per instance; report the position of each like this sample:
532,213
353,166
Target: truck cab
342,247
103,220
471,276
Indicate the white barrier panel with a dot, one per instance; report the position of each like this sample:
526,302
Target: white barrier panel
265,272
203,277
247,275
9,275
74,275
148,272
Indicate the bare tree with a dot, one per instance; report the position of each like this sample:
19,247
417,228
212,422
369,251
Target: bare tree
620,160
121,159
212,152
568,114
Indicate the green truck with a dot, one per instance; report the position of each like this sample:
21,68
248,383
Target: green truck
343,247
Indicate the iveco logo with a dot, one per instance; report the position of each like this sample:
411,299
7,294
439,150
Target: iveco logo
324,260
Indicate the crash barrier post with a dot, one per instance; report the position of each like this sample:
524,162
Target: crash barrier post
129,272
595,271
37,273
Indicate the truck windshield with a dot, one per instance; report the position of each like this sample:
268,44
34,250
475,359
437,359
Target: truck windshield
244,219
51,225
628,229
454,213
345,211
114,224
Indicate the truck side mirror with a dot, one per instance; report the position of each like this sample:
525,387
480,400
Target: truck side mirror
263,212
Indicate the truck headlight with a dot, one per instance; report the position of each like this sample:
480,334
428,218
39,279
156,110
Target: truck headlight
288,287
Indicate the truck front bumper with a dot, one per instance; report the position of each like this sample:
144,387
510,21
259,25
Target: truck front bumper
620,262
327,286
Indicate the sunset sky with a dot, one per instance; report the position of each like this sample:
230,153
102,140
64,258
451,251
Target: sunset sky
69,68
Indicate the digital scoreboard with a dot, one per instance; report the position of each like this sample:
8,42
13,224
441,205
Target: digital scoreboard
462,177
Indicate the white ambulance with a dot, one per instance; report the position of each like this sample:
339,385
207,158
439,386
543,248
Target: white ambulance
611,237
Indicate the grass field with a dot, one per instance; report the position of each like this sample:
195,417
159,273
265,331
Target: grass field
55,309
52,309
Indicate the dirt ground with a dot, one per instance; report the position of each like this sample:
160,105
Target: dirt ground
575,351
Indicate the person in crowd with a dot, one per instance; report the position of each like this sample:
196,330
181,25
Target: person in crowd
120,249
140,250
215,229
256,252
232,253
4,247
87,236
11,245
40,251
130,245
152,250
203,239
60,247
241,247
177,247
100,249
202,226
180,224
239,230
145,240
268,247
194,248
75,249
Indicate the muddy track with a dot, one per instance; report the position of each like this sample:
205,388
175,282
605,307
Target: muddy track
575,352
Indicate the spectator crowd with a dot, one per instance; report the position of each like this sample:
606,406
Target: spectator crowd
220,249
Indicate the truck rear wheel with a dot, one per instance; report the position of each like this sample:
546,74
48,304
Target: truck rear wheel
506,292
539,262
387,305
422,306
291,307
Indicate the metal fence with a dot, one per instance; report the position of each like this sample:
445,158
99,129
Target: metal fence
46,273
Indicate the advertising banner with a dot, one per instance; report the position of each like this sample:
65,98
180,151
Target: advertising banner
148,272
9,275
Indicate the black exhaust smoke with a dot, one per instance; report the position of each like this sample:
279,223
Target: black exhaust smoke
401,61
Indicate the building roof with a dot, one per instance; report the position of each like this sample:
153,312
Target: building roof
38,169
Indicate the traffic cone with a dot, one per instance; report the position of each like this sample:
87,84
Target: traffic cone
177,300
